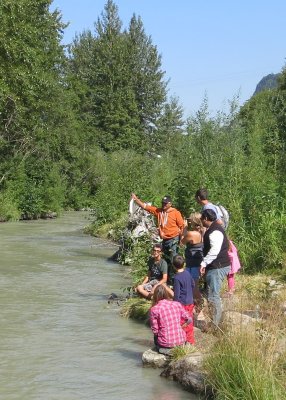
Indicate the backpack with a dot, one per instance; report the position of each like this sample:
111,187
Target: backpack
223,214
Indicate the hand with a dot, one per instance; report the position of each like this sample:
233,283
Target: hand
133,196
202,270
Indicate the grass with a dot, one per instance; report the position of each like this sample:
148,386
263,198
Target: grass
179,352
247,364
136,308
244,367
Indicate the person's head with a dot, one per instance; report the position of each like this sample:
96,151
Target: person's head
201,195
160,293
178,262
195,222
157,251
166,202
208,217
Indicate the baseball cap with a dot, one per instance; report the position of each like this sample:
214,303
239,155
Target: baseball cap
166,199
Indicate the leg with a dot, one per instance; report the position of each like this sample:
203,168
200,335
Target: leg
170,249
230,282
189,329
214,281
143,292
195,273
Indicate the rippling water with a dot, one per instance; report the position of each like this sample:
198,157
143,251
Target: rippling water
59,338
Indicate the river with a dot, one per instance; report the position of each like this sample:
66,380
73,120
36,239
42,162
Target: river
59,337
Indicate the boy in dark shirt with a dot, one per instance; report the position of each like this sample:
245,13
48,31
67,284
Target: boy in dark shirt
183,292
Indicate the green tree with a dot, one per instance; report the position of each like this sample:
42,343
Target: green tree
119,82
146,77
35,116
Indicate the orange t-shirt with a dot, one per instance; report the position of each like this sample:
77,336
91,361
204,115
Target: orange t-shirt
170,222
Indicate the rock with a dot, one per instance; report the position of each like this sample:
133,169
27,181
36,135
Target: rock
280,347
151,358
233,320
188,371
203,341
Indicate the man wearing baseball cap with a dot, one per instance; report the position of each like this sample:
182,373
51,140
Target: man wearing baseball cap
170,225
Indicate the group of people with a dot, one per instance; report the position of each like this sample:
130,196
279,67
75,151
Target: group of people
172,281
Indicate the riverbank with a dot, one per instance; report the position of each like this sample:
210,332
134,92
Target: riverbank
254,319
252,331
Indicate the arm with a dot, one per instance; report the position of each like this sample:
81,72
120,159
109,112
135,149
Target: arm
154,321
180,222
164,279
150,209
186,316
177,290
146,279
164,271
137,200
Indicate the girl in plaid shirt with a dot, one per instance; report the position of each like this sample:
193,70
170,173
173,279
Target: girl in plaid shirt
165,319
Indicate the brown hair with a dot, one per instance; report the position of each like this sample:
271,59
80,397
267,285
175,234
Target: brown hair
160,293
202,194
178,261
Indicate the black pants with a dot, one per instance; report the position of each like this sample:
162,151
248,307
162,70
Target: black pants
170,249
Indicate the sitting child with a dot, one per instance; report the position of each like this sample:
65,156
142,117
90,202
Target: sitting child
167,320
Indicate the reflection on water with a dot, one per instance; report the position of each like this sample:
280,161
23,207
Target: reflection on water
59,337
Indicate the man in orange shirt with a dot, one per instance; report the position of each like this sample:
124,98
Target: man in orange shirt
170,226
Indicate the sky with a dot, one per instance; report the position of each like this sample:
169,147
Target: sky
215,48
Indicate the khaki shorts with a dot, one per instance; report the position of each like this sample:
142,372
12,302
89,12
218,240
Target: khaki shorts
149,285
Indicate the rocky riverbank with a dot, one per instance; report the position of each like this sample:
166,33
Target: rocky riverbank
190,370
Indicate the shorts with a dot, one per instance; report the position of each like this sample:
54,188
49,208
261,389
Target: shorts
149,285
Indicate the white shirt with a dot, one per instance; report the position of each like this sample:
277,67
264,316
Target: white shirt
216,240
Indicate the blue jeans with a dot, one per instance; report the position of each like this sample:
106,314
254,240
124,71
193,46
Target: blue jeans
214,279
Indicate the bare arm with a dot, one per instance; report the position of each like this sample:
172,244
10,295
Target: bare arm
137,200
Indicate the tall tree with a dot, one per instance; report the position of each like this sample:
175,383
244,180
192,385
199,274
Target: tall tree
117,75
100,63
147,76
33,97
170,126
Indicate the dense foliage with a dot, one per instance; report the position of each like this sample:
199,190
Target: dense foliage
87,125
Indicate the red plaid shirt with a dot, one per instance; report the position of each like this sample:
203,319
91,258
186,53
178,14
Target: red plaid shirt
165,320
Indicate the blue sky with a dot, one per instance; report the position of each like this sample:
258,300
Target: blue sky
221,48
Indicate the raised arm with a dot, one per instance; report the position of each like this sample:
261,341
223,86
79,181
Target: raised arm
150,209
137,200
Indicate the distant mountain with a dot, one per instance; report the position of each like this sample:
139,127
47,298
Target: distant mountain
267,82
